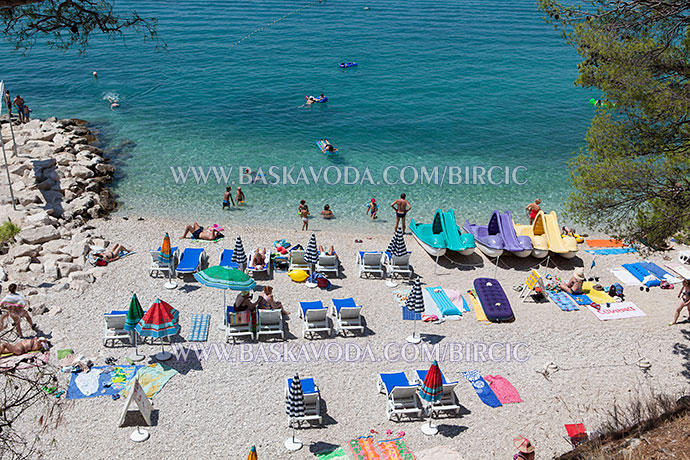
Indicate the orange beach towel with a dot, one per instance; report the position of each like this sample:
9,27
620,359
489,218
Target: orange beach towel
606,244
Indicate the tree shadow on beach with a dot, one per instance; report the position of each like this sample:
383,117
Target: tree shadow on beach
683,349
525,264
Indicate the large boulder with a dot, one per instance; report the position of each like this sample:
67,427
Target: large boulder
54,246
38,235
81,276
21,264
21,250
79,248
81,171
67,268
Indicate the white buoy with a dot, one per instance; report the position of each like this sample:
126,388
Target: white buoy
95,74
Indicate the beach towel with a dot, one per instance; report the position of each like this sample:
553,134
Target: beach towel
625,277
659,272
484,391
503,389
23,361
562,300
478,310
401,296
336,453
617,310
642,274
152,379
198,331
605,243
457,299
431,308
395,449
100,381
363,448
610,251
581,299
680,269
447,308
599,297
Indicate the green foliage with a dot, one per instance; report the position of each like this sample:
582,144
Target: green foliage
633,178
8,231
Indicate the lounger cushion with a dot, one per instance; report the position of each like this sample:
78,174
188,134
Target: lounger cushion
344,303
493,299
390,381
421,374
316,305
190,260
308,385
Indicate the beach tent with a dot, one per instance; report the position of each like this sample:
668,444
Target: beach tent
294,407
415,303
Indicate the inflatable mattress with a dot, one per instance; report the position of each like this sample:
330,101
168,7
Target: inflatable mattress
493,299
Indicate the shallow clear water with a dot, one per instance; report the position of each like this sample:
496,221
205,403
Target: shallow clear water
448,83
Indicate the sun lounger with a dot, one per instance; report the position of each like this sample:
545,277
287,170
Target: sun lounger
115,328
269,322
237,324
297,262
448,401
347,315
312,401
226,259
370,263
253,271
191,261
398,265
402,398
328,264
314,318
157,266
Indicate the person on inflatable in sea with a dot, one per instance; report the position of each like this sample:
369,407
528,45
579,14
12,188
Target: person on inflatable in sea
328,147
574,286
533,209
312,99
113,103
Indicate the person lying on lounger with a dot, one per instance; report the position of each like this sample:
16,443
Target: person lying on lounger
199,233
25,346
244,301
267,302
259,259
330,252
574,286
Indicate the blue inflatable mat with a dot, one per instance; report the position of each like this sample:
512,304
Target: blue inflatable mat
562,300
639,272
610,251
493,299
655,270
444,304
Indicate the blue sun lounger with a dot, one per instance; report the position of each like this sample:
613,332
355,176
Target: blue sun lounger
191,260
347,315
402,395
314,318
226,259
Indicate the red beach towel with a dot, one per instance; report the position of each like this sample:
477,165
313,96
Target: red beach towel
505,391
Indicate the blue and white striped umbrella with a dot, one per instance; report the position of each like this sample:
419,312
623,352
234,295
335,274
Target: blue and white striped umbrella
397,245
294,401
311,256
415,301
238,255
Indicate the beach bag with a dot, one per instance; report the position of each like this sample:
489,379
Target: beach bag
241,317
322,283
100,262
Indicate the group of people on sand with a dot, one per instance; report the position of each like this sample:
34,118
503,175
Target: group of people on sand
13,306
265,301
23,110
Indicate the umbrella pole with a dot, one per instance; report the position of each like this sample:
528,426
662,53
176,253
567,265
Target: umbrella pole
170,284
496,267
414,338
436,266
136,356
427,428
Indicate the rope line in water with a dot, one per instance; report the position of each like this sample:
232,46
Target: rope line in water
266,26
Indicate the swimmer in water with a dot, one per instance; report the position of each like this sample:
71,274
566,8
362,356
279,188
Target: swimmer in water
328,147
113,103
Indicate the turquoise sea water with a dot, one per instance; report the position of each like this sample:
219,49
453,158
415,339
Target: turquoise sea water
446,83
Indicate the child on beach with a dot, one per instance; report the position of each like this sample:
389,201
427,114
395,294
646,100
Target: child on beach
525,449
304,214
372,208
13,307
240,196
227,197
685,301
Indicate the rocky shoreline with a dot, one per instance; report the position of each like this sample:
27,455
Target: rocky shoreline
59,177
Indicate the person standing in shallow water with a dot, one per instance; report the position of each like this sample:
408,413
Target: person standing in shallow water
227,197
401,207
533,209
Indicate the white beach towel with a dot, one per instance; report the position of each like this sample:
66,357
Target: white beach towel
625,277
430,307
618,310
87,382
681,270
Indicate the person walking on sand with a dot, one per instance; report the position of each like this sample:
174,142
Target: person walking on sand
533,209
240,196
304,214
401,207
13,307
227,197
684,294
19,104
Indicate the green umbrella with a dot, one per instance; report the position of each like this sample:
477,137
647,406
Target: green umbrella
134,314
225,278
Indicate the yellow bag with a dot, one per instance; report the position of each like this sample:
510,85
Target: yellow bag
298,276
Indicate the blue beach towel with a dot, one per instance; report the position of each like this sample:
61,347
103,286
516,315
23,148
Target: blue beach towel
562,300
198,331
121,375
444,304
409,316
484,391
581,299
610,251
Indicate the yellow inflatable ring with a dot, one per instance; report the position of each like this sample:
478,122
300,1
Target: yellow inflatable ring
298,276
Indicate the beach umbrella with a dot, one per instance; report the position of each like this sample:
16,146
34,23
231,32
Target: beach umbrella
161,320
311,255
238,255
252,454
134,314
225,278
415,303
431,391
294,407
397,246
165,256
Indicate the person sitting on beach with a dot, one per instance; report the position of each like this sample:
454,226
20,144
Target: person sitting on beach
25,346
525,449
198,233
13,305
574,286
372,208
327,213
684,302
304,214
240,196
259,259
113,103
244,302
267,302
227,197
533,209
330,252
